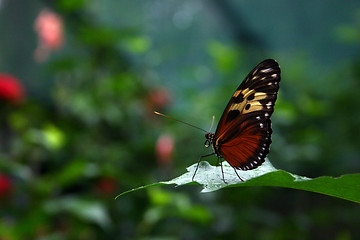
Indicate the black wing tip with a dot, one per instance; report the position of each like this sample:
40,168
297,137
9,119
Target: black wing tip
270,62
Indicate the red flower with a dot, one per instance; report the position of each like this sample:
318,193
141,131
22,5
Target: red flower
5,186
106,185
10,88
157,100
164,149
159,97
49,27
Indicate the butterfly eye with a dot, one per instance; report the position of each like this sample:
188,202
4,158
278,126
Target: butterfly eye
207,143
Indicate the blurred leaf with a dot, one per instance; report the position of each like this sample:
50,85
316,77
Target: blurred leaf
160,197
71,5
75,171
286,112
137,44
345,187
18,121
17,169
54,137
347,34
64,64
225,57
87,210
313,107
50,137
167,203
71,173
100,36
196,213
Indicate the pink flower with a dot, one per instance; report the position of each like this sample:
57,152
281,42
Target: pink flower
11,89
157,100
159,97
49,27
5,186
164,149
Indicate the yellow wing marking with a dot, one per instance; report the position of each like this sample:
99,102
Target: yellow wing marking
254,104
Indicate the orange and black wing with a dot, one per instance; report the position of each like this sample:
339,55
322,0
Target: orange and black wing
243,136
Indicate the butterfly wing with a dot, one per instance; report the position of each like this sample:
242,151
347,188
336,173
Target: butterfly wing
243,136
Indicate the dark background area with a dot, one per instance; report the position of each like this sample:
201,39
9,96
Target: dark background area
79,81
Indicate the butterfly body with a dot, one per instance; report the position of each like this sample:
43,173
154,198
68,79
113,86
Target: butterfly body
243,135
210,141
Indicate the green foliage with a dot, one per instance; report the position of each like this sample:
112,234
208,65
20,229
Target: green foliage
225,57
86,131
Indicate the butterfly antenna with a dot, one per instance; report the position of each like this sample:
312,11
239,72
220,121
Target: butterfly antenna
212,124
179,121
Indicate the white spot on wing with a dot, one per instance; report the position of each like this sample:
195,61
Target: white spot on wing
266,70
268,105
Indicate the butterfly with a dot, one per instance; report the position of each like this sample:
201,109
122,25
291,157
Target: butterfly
243,135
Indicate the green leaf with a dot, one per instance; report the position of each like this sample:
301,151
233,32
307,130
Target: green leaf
346,187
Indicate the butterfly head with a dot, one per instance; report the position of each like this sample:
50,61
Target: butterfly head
209,139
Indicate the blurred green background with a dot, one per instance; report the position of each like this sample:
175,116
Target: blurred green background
79,81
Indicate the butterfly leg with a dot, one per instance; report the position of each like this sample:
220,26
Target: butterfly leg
238,175
218,163
222,170
197,167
